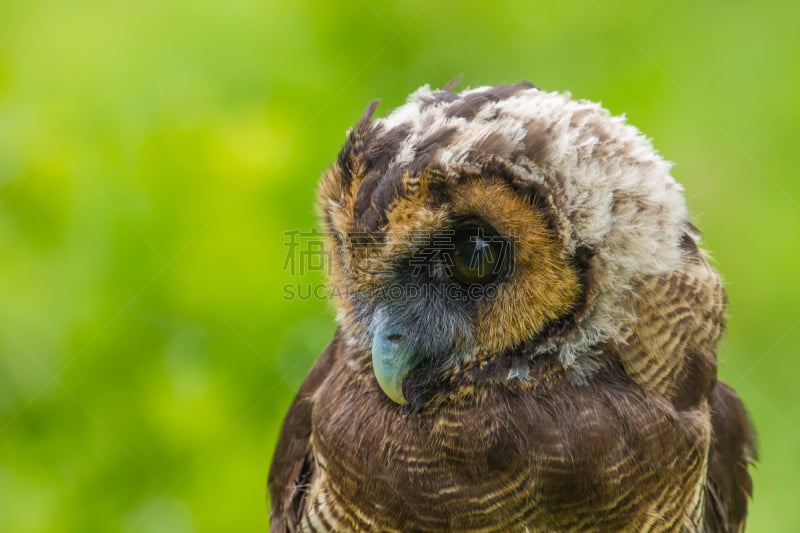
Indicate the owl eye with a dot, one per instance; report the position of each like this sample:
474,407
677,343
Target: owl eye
477,255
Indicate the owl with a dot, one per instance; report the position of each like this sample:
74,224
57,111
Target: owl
527,333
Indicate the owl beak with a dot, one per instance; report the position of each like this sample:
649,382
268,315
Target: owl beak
393,357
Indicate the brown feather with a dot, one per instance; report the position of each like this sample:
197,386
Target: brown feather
545,455
292,462
732,448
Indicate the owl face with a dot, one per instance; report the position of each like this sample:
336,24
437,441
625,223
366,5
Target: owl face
465,227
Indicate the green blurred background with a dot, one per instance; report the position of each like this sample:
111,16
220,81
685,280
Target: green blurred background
153,154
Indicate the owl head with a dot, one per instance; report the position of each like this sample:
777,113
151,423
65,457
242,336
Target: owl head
500,220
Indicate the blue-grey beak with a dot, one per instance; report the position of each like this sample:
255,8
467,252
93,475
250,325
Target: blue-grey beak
393,357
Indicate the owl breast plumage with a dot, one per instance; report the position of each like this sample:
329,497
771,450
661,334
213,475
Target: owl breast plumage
527,333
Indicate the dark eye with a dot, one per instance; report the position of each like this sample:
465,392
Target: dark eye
478,255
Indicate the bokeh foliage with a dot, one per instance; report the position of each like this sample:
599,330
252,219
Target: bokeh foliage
152,155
